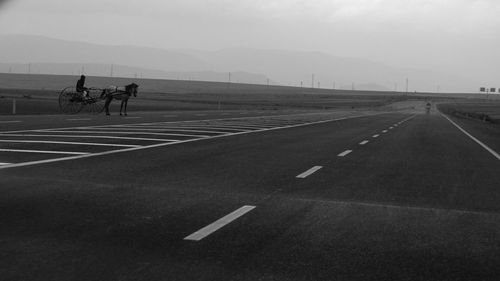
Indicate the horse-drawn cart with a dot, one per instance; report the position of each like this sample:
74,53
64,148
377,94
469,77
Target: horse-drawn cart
71,101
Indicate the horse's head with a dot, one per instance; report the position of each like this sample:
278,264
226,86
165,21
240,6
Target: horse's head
132,89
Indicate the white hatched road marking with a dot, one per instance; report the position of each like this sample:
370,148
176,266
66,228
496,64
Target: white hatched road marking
309,172
87,136
345,153
70,143
118,133
164,142
493,152
112,129
218,224
173,128
44,151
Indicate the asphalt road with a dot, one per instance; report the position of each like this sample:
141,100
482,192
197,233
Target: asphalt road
330,196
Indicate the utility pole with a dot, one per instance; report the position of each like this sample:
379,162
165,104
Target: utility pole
229,77
312,81
301,84
406,86
319,84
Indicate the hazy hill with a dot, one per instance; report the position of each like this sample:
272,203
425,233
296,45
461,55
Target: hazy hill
283,67
291,67
129,72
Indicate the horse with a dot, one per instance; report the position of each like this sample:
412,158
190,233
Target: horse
119,93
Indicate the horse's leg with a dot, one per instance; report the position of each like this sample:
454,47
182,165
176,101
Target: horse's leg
106,105
121,107
126,102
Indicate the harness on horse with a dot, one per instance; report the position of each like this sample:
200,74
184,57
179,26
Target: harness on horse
116,92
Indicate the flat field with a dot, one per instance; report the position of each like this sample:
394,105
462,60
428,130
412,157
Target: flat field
38,94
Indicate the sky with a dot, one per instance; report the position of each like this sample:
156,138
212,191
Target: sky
456,36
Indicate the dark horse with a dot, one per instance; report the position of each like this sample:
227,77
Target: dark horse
119,93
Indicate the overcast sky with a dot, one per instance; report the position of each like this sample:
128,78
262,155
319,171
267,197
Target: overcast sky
460,36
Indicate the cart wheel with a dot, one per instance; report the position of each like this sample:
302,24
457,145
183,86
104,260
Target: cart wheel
70,101
95,104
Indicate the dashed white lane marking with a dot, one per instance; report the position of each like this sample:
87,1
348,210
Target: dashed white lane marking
70,143
44,151
363,142
384,131
390,128
211,228
494,153
79,119
375,136
345,153
6,122
309,172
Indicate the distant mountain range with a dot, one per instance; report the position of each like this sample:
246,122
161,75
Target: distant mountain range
35,54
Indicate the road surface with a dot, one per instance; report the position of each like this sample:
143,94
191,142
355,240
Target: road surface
319,196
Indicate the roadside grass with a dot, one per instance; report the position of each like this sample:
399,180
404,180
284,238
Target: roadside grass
479,110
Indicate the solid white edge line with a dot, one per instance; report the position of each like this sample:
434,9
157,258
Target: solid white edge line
345,153
177,142
309,172
218,224
494,153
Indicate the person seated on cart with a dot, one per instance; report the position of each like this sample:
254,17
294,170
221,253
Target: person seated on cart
80,87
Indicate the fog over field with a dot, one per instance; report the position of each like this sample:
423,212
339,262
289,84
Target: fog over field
446,45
